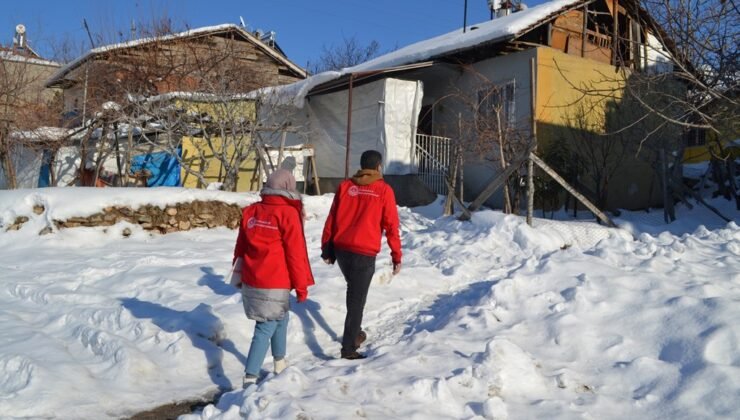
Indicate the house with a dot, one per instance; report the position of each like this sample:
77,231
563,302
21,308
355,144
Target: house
563,46
118,81
25,104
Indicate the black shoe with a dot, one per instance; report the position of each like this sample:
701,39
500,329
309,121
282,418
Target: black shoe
352,355
361,337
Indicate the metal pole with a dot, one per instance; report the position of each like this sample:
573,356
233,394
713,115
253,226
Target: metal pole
349,126
465,17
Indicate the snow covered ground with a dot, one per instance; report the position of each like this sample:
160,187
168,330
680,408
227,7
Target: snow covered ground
487,319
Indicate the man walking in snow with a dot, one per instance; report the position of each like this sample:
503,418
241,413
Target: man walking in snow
363,207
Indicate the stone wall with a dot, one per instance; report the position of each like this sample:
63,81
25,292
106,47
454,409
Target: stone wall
174,218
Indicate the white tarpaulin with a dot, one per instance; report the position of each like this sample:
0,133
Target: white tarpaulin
66,166
298,155
384,118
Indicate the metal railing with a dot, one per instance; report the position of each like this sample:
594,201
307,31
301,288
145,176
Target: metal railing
433,156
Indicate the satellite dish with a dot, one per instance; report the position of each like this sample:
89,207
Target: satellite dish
20,28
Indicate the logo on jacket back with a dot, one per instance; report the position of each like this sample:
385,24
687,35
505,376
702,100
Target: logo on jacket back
354,191
253,222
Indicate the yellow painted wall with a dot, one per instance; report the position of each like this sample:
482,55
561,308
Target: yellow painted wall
559,78
561,81
195,149
696,154
192,148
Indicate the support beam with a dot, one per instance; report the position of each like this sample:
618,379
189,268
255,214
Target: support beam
595,210
494,186
466,213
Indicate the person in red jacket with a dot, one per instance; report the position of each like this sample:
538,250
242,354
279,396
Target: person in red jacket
363,207
272,248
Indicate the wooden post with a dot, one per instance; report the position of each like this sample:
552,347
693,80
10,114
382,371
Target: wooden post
495,184
451,181
583,31
615,34
6,156
282,148
349,126
462,171
530,164
315,174
129,146
530,189
466,214
260,149
461,151
669,214
52,160
118,156
306,173
595,210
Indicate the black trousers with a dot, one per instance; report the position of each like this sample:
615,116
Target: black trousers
358,271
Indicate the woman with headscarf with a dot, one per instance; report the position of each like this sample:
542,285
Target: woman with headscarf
272,244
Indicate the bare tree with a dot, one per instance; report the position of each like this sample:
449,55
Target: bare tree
24,105
348,53
704,35
489,130
174,92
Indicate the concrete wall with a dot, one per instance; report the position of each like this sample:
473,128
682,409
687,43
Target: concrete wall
442,85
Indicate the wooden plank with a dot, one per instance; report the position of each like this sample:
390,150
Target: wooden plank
583,29
533,116
595,210
495,185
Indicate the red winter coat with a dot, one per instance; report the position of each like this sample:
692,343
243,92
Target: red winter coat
363,207
273,245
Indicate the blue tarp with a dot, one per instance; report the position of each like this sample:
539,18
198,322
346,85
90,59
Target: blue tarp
45,173
164,168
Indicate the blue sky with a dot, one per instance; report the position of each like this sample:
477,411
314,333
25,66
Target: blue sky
303,27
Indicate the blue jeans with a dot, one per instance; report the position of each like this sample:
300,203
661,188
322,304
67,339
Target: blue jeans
267,333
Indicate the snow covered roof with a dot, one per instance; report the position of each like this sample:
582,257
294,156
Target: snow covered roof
43,134
13,56
195,97
58,76
492,31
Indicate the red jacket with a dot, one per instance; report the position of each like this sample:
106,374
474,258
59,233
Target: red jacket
363,207
273,245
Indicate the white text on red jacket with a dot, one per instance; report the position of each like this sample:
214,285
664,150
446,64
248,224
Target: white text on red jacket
253,222
354,191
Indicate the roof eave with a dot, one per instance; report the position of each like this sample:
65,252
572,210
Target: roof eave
64,71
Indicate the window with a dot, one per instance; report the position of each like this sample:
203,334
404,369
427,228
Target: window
696,137
497,99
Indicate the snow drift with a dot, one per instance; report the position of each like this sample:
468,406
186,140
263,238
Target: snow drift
488,319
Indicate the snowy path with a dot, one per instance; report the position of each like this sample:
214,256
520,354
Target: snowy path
487,319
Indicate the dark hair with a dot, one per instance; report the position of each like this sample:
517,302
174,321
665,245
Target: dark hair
370,159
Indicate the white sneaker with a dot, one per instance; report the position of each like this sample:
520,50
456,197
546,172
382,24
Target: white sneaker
248,380
280,365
